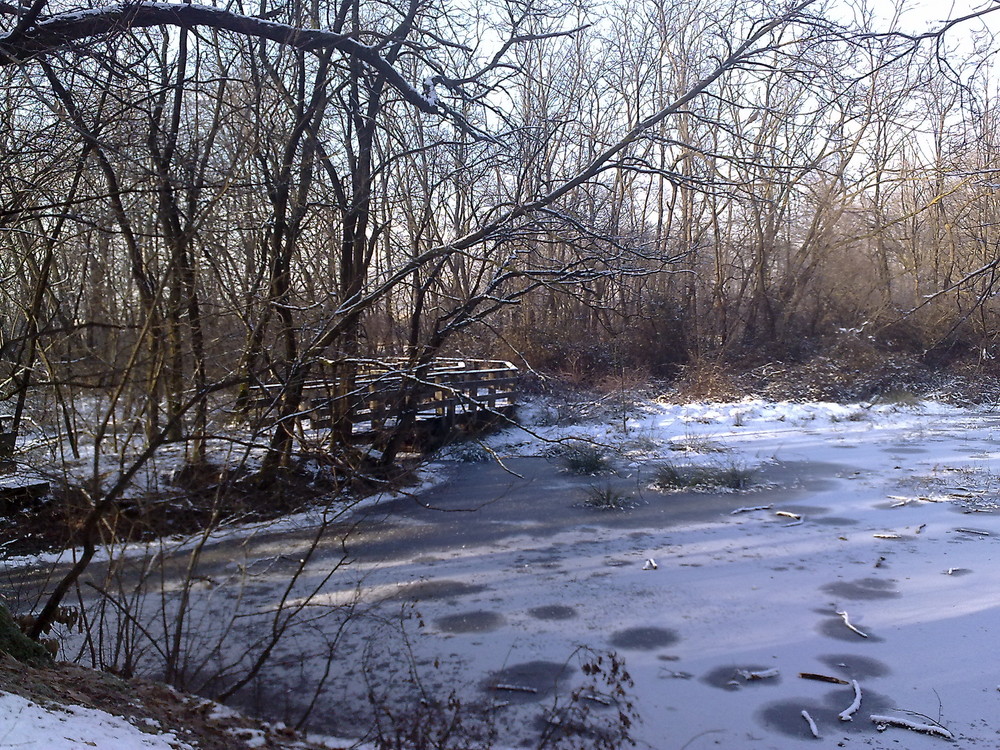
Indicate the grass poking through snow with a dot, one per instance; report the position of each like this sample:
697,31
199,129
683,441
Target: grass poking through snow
585,458
728,476
608,498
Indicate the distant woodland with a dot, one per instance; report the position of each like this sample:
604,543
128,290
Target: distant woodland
199,200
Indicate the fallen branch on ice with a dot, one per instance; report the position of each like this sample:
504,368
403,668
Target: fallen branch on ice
811,723
848,713
515,688
882,722
887,536
597,698
822,678
974,531
759,675
847,622
750,509
664,672
797,518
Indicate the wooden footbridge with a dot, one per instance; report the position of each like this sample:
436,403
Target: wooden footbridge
451,393
18,484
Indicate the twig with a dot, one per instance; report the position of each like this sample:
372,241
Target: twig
848,713
811,723
973,531
847,622
750,509
881,722
822,678
759,675
515,688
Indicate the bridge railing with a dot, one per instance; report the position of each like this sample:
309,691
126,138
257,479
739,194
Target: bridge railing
451,390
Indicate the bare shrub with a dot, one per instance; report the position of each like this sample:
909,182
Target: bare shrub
606,497
730,476
585,458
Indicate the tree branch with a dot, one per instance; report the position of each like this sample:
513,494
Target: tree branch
63,29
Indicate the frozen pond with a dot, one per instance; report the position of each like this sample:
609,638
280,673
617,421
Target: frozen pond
498,573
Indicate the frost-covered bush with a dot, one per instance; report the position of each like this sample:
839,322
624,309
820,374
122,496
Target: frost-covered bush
607,497
585,458
729,476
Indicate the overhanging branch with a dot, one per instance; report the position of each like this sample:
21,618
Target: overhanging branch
64,29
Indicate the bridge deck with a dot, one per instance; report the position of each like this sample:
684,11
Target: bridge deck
451,391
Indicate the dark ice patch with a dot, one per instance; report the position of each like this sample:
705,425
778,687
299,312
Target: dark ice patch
785,717
424,591
478,621
538,679
644,639
834,627
553,612
855,667
863,589
730,678
834,521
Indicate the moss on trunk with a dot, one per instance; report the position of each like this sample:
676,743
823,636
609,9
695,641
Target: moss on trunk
14,642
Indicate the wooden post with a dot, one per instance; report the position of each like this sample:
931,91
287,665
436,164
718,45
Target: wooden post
7,439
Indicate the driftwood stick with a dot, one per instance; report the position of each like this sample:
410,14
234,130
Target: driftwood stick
847,622
822,678
848,713
761,674
515,688
881,722
811,723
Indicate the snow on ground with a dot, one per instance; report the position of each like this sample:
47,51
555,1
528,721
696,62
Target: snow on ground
29,726
885,512
427,477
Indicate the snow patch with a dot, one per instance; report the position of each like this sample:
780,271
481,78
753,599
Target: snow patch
26,725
